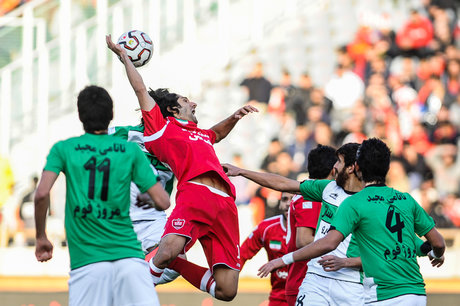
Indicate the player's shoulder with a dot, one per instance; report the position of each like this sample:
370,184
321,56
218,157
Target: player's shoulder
269,221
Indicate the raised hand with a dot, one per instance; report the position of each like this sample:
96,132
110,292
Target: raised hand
240,113
116,48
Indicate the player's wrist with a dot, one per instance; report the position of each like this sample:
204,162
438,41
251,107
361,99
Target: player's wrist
431,253
288,258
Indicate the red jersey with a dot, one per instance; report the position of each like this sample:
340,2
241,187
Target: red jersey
271,235
302,213
187,149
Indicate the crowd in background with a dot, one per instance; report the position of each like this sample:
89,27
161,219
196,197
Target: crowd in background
402,86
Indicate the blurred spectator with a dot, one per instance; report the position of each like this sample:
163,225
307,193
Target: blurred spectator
242,185
415,36
8,5
257,85
264,204
344,89
454,111
299,100
451,78
300,148
397,176
427,196
281,94
443,160
26,213
274,149
451,208
415,166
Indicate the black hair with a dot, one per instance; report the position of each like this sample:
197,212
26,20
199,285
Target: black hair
164,98
95,108
373,159
321,160
348,151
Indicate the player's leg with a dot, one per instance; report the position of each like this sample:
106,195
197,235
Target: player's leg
226,282
314,291
170,247
346,293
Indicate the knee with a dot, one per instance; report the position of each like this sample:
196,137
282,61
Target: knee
226,294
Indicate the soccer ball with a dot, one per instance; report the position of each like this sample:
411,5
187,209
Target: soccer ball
138,45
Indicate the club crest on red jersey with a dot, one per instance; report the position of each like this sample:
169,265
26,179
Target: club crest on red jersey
178,223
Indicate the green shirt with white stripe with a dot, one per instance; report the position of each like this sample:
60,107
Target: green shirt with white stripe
383,221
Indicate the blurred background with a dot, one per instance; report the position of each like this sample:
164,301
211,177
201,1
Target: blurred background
321,72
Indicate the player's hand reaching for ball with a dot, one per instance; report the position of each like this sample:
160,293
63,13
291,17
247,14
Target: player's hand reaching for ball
43,249
240,113
270,266
116,48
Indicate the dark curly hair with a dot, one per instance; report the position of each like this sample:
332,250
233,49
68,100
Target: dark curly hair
321,160
95,108
373,159
348,151
164,98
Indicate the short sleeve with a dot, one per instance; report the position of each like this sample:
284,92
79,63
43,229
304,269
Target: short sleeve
55,160
346,218
211,134
306,213
422,221
313,189
153,120
143,176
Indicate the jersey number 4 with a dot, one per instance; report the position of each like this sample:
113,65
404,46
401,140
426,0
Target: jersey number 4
398,226
103,167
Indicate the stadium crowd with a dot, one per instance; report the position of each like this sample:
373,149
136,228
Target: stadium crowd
401,86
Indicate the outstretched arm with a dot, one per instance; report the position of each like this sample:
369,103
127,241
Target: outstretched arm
225,126
315,249
43,247
270,180
146,102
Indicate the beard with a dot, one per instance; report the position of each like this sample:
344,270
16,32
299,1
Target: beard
342,177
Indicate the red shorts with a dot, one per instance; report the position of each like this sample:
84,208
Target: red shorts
277,302
209,217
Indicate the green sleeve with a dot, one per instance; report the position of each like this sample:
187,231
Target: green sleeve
346,218
143,176
422,221
418,244
312,190
54,161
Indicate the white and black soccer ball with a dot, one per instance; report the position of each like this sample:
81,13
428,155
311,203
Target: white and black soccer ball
138,45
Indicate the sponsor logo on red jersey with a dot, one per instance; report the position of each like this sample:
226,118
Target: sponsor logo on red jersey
178,223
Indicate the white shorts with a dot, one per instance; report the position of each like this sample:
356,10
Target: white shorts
149,232
319,290
402,300
113,283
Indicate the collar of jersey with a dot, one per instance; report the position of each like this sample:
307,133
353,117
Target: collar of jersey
184,122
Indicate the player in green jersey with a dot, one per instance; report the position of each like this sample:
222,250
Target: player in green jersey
383,221
106,259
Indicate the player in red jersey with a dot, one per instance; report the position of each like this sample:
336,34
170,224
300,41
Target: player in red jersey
303,217
205,206
271,235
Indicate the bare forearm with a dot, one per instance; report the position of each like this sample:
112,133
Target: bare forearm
319,247
271,180
137,83
223,128
41,210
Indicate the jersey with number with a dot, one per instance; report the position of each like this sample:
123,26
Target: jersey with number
331,195
271,235
187,149
165,176
383,221
302,213
99,170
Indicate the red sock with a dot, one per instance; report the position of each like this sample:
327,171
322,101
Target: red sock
198,276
